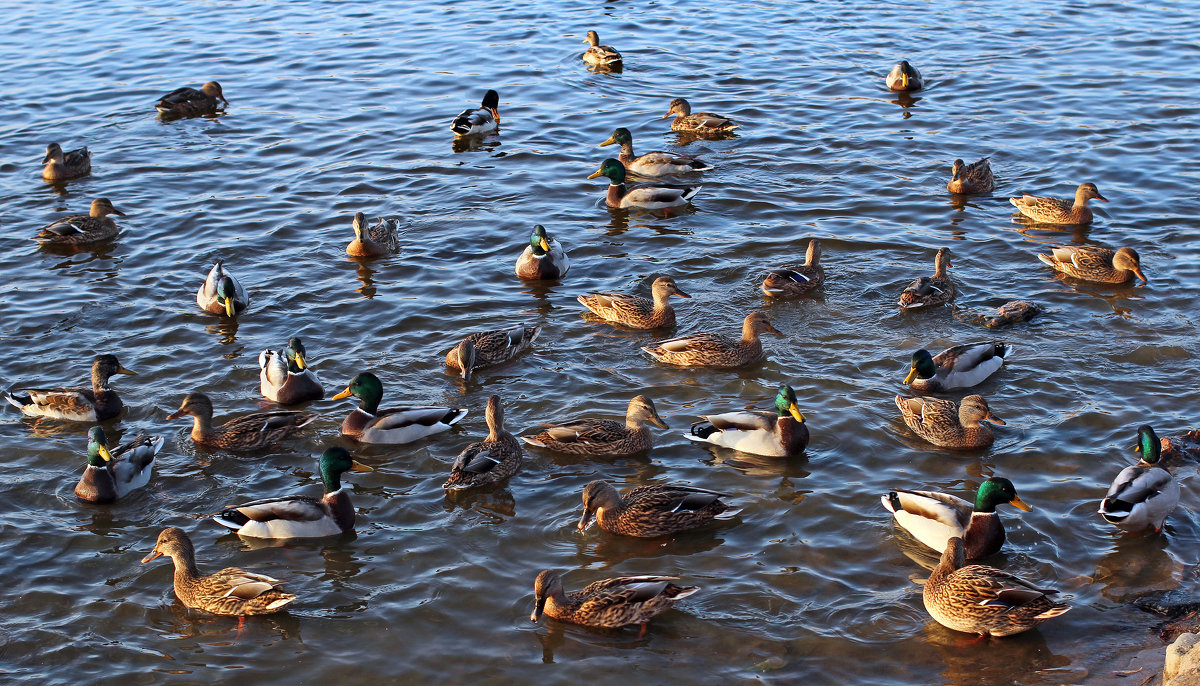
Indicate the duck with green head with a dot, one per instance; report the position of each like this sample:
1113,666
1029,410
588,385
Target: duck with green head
369,424
962,366
934,518
285,377
657,163
110,475
781,433
1143,494
221,293
645,196
543,259
484,119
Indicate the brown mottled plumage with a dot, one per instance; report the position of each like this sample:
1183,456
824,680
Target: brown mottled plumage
493,459
971,178
1093,263
700,122
636,312
609,603
77,228
603,436
189,102
487,348
714,349
944,423
93,404
247,432
373,241
61,166
795,280
651,511
601,56
904,77
927,291
1057,210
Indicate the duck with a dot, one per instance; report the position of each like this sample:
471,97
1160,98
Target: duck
657,163
231,591
494,459
483,120
285,377
374,241
904,77
300,516
189,102
934,518
700,122
77,229
1143,494
487,348
651,511
942,422
715,350
543,259
1057,210
247,432
645,196
591,436
795,280
369,424
928,291
637,312
1094,263
61,166
112,475
94,404
608,603
781,433
961,366
976,599
605,56
975,177
221,293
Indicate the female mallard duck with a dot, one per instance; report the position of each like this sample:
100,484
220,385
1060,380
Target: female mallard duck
971,178
77,228
369,424
651,511
934,518
605,56
700,122
590,436
285,377
636,312
373,241
543,258
189,102
221,293
300,516
230,591
904,77
781,433
1057,210
93,404
714,349
943,423
61,166
491,460
927,291
962,366
609,603
485,119
795,280
1143,494
1093,263
642,195
657,163
247,432
487,348
109,476
984,600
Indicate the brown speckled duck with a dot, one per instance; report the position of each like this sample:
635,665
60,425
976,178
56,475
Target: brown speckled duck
1093,263
93,404
77,229
1057,210
601,56
247,432
376,240
657,163
944,423
699,122
487,348
713,349
609,603
795,280
61,166
971,178
489,461
636,312
928,291
651,511
590,436
189,102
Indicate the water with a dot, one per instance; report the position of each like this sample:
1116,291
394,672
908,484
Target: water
337,108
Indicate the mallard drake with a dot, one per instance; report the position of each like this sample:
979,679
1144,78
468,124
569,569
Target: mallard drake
934,518
247,432
904,77
230,591
1093,263
657,163
77,228
491,460
701,122
927,291
971,178
651,511
597,55
781,433
942,422
962,366
487,348
369,424
285,377
189,102
93,404
636,312
543,258
485,119
1057,210
221,293
110,475
300,516
1143,494
795,280
609,603
374,241
61,166
590,436
642,195
714,349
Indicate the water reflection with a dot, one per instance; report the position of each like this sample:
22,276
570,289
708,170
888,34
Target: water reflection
476,143
600,549
906,101
1009,660
226,329
1138,563
177,621
496,503
365,273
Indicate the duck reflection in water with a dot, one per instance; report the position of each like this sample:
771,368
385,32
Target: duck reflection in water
496,502
476,143
177,621
1135,565
1020,659
365,274
226,328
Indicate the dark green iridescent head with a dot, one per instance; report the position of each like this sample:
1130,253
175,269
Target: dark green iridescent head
1148,444
785,403
998,491
226,292
336,461
539,242
922,366
367,388
295,355
613,169
97,447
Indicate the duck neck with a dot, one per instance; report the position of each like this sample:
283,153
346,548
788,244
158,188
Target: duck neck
616,191
202,428
952,560
627,155
185,567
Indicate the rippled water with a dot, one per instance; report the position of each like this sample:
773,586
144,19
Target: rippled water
337,108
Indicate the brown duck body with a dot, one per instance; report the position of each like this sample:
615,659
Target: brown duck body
93,404
79,229
61,166
190,102
699,122
651,511
944,423
1057,210
609,603
487,348
591,436
1093,263
713,349
795,280
636,312
971,178
489,461
376,240
248,432
928,291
